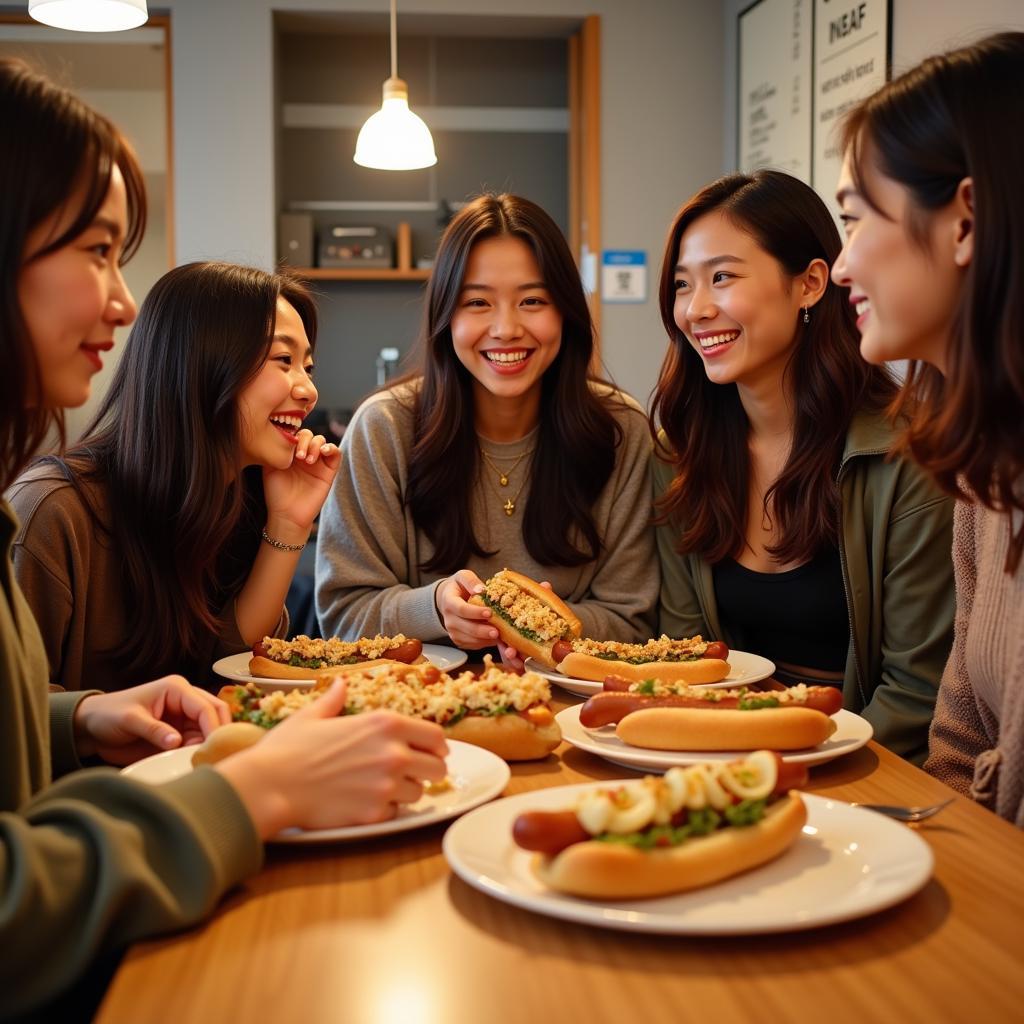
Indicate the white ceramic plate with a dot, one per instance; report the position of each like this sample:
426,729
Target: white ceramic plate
745,669
847,863
852,732
236,667
476,775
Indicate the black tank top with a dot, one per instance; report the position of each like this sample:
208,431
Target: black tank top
798,616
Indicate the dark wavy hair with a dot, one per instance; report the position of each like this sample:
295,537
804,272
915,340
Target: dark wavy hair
956,116
55,148
165,445
575,450
705,426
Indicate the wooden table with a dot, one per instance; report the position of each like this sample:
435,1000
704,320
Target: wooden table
382,932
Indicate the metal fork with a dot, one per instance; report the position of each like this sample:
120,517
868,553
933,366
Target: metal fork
906,813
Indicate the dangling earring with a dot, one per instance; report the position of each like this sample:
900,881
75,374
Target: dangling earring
807,315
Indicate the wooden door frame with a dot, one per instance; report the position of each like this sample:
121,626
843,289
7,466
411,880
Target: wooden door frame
585,158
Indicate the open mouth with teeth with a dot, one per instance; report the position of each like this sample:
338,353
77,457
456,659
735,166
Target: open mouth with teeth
712,343
863,307
287,425
509,360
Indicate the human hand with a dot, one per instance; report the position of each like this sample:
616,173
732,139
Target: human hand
467,624
297,494
126,725
319,770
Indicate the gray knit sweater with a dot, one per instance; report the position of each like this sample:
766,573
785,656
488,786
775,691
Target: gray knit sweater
977,737
369,551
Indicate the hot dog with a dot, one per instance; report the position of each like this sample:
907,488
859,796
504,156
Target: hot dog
505,713
527,616
690,828
306,658
689,660
658,717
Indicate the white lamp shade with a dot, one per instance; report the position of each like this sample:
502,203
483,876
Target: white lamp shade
394,138
90,15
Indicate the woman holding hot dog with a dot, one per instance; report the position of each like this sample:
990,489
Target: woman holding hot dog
198,446
501,450
95,861
934,263
786,529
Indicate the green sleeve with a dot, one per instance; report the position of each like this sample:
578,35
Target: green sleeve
97,861
918,606
679,608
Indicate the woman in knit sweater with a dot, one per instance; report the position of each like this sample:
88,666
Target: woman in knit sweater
934,260
96,860
501,450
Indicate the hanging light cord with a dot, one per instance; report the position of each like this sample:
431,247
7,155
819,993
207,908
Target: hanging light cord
394,39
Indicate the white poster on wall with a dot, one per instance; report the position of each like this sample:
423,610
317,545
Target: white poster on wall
851,60
775,87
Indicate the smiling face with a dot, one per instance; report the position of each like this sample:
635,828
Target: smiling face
73,298
905,292
274,403
506,329
735,304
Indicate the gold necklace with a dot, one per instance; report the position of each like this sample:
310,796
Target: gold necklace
503,477
510,503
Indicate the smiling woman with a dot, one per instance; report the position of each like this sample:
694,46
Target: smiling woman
502,449
198,447
785,528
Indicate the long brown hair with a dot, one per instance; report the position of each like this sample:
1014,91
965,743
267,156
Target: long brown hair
55,148
956,116
165,445
575,451
705,425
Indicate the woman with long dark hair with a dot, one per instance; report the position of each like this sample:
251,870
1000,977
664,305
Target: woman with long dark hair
182,512
96,861
502,449
934,261
785,527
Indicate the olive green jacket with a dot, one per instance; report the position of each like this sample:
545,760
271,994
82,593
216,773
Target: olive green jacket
895,550
96,860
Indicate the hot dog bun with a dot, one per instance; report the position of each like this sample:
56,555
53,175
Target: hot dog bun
226,740
265,668
511,737
599,870
792,728
539,650
701,670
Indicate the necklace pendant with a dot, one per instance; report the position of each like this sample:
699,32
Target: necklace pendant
509,506
503,480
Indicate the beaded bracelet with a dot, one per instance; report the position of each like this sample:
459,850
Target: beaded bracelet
280,544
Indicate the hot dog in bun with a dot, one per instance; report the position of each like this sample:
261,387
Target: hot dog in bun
667,716
690,660
505,713
527,616
306,658
655,836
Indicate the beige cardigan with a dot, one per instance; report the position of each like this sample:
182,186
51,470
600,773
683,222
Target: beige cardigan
977,737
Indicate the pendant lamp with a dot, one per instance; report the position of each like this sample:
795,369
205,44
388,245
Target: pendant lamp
394,138
90,15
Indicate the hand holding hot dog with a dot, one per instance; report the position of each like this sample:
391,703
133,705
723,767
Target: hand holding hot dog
318,770
468,625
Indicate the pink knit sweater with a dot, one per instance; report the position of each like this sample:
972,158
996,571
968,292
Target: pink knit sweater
976,743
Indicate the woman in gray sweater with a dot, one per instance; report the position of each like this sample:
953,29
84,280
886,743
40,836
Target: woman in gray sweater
934,260
501,450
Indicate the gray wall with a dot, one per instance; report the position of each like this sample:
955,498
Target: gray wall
661,132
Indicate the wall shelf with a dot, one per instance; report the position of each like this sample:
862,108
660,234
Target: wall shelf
405,271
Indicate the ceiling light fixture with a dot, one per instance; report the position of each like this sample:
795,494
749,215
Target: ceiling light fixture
394,138
90,15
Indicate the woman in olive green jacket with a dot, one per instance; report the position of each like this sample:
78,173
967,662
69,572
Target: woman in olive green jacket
785,527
